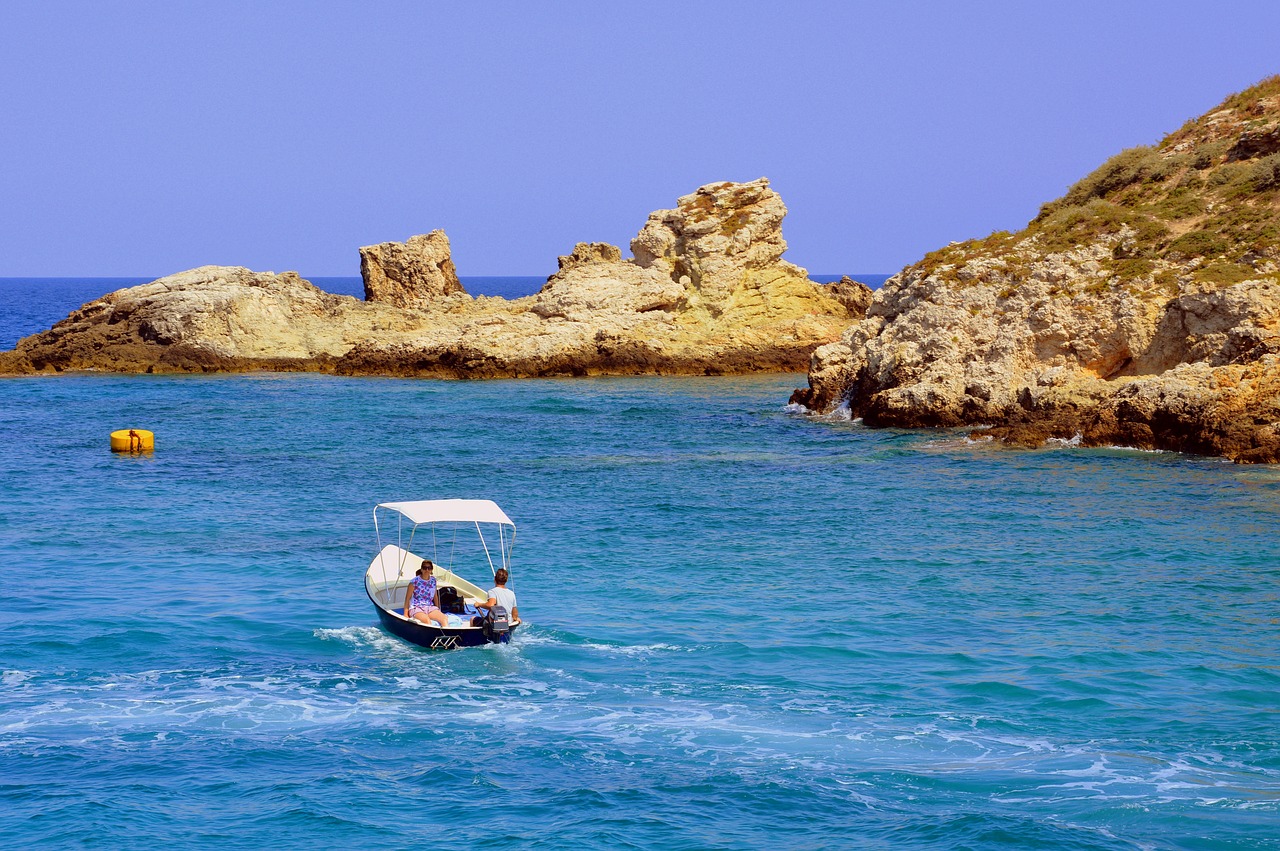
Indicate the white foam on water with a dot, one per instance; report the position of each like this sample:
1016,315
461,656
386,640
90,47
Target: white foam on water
1097,769
14,678
1272,805
161,699
529,638
1074,440
361,637
840,413
636,649
958,441
512,691
543,639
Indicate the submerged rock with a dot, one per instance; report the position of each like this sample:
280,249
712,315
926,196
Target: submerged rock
1141,309
712,296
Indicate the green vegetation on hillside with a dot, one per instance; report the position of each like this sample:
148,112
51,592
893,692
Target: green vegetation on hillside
1206,198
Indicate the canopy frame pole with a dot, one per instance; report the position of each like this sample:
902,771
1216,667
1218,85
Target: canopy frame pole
378,533
485,545
511,549
504,547
404,553
400,543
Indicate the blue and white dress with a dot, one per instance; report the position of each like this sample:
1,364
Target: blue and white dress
424,595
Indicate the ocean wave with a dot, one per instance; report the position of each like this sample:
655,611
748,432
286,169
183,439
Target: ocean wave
840,413
747,729
637,649
363,637
544,638
14,678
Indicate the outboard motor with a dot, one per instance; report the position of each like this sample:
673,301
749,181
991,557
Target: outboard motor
496,625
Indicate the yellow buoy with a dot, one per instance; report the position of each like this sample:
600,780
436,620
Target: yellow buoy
133,440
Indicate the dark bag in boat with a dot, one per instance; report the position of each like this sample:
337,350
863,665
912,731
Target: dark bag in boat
496,623
451,600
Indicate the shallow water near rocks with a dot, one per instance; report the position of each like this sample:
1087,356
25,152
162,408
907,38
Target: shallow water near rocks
745,628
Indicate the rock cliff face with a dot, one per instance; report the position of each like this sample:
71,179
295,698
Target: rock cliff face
416,273
1141,309
708,293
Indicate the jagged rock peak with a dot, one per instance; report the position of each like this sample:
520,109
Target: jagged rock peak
590,252
409,274
714,236
854,295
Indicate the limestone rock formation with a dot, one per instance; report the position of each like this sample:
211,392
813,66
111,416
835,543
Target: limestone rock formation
595,279
685,309
707,292
210,318
412,274
1141,309
854,295
720,238
590,252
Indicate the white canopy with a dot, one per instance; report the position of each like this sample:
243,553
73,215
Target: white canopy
446,510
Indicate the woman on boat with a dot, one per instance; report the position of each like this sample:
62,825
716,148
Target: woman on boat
420,601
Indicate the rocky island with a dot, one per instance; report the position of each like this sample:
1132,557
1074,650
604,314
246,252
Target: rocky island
1140,309
707,292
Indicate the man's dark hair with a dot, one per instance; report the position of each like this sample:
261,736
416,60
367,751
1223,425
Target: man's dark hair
500,576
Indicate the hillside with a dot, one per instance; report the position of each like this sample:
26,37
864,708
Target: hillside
1141,308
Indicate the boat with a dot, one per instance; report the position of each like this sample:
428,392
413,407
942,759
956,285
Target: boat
465,533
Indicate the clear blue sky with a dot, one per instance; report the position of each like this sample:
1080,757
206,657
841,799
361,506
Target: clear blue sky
147,138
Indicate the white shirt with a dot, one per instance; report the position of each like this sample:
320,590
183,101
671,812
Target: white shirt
505,597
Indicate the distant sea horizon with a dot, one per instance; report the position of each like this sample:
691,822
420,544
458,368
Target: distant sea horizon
29,305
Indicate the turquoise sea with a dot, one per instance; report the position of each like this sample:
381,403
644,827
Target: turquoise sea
745,628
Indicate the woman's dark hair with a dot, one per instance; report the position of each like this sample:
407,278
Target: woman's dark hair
500,576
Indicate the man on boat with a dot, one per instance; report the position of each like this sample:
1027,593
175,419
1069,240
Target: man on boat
501,595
